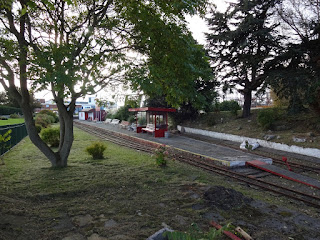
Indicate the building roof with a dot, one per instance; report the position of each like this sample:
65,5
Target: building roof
87,110
152,109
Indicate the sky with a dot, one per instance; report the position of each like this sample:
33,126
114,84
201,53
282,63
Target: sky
198,25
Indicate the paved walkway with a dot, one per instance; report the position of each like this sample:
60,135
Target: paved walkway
224,155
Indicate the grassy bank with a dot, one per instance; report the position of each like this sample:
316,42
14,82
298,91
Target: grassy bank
11,121
284,128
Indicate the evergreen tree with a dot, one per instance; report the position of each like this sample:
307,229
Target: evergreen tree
242,41
295,73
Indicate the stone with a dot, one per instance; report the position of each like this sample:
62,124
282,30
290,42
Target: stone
299,140
110,223
181,220
82,220
311,134
96,237
269,137
281,128
183,130
239,128
76,236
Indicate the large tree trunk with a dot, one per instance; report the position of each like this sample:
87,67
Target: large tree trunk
247,94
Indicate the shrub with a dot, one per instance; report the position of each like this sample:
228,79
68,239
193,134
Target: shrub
210,120
51,136
96,150
14,115
50,113
3,118
231,106
266,118
161,155
39,128
5,110
131,119
44,120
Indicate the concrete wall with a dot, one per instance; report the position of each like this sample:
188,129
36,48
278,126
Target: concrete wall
313,152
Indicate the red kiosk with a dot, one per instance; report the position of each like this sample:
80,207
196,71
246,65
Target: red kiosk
156,120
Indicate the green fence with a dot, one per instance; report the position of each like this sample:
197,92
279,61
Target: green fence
19,131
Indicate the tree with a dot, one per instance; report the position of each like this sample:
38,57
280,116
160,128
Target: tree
295,73
7,100
77,47
241,43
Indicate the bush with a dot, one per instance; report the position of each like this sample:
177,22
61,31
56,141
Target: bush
14,115
51,136
3,118
44,120
39,128
50,113
231,106
96,150
5,110
161,154
131,119
266,118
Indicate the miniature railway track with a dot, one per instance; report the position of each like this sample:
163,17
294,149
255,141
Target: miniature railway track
277,160
200,162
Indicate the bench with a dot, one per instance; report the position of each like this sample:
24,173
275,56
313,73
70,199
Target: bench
115,121
124,124
149,128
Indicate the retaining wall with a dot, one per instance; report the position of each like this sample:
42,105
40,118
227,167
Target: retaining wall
312,152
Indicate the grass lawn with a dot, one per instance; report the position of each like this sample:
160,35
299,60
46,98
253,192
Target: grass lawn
11,121
126,188
124,196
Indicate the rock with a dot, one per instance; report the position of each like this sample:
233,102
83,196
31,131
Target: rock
96,237
311,134
183,130
110,223
181,220
281,128
76,236
269,137
249,121
82,220
239,128
299,140
278,137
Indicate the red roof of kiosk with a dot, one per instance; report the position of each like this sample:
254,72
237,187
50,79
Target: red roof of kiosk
152,109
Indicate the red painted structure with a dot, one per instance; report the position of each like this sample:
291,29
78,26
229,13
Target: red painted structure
157,120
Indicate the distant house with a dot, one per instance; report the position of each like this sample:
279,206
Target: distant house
87,114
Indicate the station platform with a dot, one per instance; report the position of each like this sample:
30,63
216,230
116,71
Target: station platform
222,155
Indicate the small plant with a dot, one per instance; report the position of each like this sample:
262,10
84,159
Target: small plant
161,155
96,150
4,139
51,136
196,234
